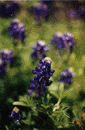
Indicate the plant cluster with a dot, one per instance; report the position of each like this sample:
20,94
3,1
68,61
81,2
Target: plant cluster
79,13
39,50
40,11
6,59
17,30
50,100
63,40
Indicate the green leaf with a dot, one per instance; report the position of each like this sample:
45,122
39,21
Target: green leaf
53,94
61,89
46,107
7,127
20,104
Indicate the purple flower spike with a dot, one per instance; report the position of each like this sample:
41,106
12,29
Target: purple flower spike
17,30
57,40
42,75
40,11
6,56
68,39
66,76
17,115
63,41
39,49
72,13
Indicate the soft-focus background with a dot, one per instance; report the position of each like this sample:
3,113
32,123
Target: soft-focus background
17,78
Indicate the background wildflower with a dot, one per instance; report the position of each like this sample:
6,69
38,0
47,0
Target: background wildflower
72,13
68,40
17,115
63,41
57,40
39,49
6,56
40,11
66,76
17,30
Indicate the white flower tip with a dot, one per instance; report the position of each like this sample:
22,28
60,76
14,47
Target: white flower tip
47,60
41,43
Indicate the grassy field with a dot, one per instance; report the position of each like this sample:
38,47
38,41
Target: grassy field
17,78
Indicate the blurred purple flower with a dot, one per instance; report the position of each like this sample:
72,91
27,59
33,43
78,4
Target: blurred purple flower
6,56
63,41
42,75
68,40
17,30
66,76
72,13
40,11
39,49
17,115
57,40
7,11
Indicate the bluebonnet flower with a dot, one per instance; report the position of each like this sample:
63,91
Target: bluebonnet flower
39,49
17,115
42,75
40,11
72,13
17,30
6,56
66,76
7,11
57,40
2,68
63,41
68,40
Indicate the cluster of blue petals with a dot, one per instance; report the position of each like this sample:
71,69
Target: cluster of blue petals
63,40
7,56
17,30
72,13
80,13
17,115
66,76
6,59
39,49
57,40
68,40
7,11
42,75
40,11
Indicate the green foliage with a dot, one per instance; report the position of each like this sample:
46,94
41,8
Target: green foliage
61,105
